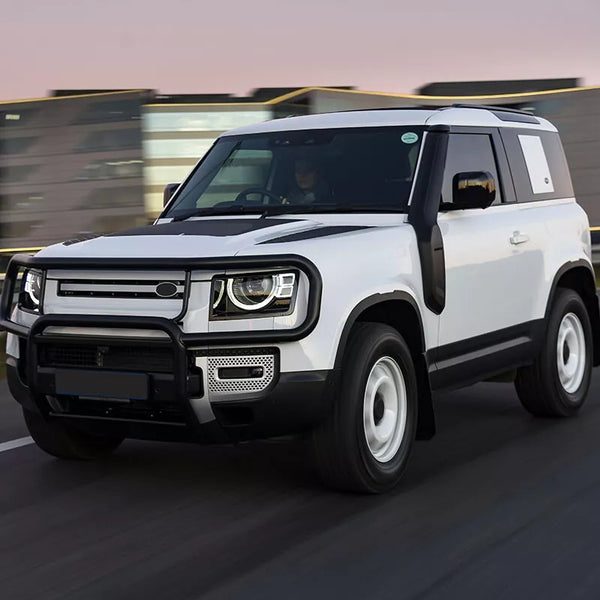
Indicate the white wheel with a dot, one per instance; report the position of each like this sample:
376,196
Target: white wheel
384,409
365,442
570,353
557,382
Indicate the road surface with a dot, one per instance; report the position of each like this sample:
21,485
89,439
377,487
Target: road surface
497,505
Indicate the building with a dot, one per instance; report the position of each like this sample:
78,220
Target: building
70,165
83,162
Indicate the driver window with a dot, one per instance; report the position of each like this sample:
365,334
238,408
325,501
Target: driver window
466,153
244,169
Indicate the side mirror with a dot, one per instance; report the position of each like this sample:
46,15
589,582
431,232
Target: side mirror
476,189
169,191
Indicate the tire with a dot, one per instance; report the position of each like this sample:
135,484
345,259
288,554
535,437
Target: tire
345,459
62,441
556,384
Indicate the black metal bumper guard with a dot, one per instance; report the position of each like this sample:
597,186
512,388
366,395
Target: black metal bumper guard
23,261
178,340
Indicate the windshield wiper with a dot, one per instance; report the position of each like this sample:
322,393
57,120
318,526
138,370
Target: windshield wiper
219,212
281,209
269,211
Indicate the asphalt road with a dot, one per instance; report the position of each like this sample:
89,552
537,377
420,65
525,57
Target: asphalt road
498,505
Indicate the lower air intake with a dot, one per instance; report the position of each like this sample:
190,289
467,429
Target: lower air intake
259,370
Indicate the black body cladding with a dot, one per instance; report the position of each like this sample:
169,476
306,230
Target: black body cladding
423,217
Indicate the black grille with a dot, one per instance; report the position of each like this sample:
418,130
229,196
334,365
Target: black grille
96,291
116,358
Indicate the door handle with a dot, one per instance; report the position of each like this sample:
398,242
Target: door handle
518,238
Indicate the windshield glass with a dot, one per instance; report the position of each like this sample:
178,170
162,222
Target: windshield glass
337,169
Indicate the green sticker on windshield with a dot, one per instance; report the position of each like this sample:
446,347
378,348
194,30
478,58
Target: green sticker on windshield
410,137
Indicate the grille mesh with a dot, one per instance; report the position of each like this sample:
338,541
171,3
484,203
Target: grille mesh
116,358
219,387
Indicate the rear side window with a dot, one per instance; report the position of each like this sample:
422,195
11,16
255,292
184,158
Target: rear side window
466,153
538,164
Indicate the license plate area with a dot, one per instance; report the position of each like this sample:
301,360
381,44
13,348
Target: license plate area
116,385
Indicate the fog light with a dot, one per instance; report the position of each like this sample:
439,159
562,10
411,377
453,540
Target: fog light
240,372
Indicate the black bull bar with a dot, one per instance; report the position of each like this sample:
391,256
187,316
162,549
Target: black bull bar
177,339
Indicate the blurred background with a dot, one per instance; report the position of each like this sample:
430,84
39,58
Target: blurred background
93,154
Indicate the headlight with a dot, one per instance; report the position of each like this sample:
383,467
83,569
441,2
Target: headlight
32,290
263,294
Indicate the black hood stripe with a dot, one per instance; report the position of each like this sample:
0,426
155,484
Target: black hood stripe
210,227
315,233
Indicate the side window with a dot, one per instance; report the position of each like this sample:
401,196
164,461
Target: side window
466,153
538,164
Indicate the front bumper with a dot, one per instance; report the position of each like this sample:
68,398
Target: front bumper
295,403
178,404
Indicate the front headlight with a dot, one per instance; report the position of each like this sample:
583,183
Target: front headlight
266,294
32,290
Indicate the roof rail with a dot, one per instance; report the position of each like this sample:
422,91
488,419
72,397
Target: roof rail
504,114
492,108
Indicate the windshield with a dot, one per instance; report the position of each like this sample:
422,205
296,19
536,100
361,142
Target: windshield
333,170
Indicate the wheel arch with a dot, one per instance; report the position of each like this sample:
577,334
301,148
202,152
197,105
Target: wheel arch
579,276
399,310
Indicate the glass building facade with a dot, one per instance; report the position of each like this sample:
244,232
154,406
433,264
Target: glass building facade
70,166
92,163
176,136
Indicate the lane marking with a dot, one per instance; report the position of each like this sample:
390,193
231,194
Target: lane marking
24,441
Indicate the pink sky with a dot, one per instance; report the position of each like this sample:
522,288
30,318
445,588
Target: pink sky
186,46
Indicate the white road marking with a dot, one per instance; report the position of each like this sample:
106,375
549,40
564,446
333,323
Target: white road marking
24,441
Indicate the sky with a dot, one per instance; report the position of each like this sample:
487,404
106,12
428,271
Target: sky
233,46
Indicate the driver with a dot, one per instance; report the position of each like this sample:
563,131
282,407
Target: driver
309,187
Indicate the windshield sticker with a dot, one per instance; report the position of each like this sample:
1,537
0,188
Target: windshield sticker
409,137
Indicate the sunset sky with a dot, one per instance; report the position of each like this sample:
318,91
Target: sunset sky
186,46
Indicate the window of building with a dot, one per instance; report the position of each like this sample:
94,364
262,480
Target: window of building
177,148
111,110
469,153
17,145
161,175
20,229
22,202
111,139
112,197
110,223
203,120
111,169
16,117
17,173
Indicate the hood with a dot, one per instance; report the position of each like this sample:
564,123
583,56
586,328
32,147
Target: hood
192,238
214,237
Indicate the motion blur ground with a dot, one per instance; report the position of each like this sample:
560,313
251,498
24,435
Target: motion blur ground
498,505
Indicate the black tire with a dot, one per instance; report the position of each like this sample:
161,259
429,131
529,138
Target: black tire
344,460
539,386
63,441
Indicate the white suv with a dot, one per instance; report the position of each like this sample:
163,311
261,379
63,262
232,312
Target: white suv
318,274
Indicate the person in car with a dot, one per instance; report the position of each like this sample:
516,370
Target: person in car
309,186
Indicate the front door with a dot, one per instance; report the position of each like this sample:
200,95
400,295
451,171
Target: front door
490,268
